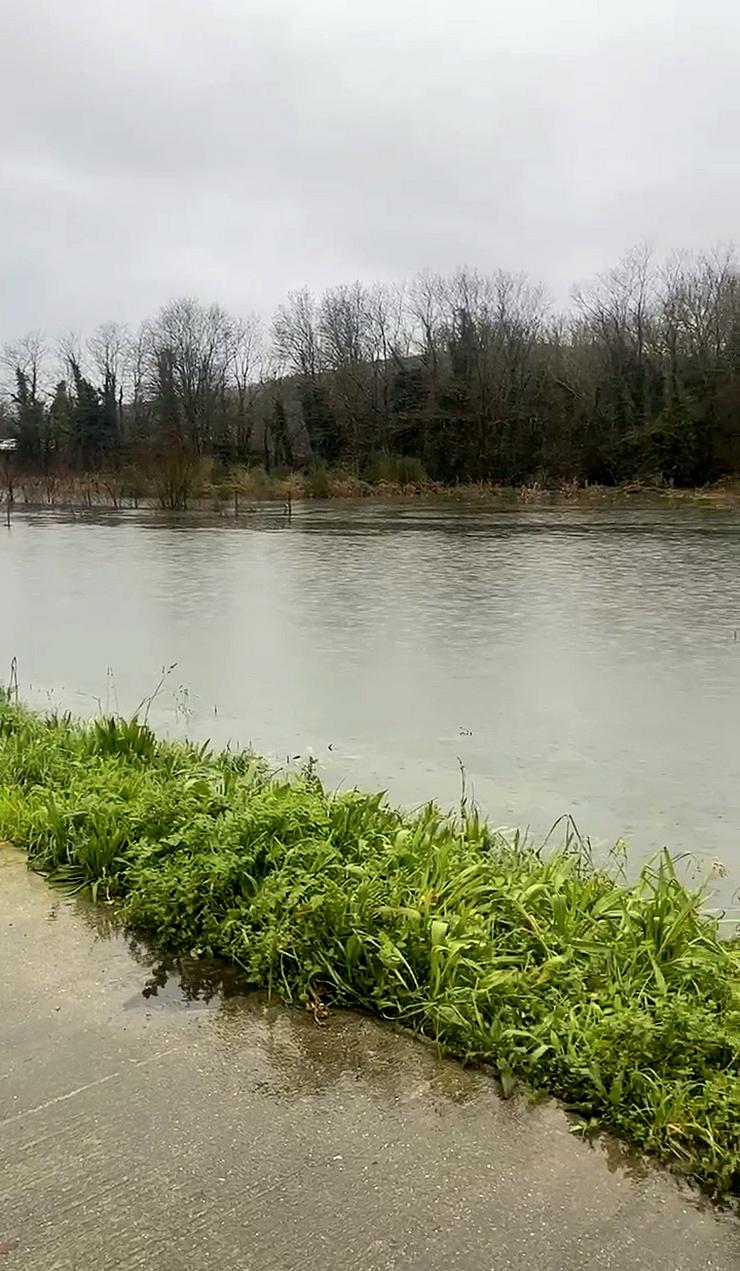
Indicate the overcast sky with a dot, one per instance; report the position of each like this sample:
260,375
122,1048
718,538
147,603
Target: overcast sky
234,149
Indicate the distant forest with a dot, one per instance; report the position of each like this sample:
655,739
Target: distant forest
448,379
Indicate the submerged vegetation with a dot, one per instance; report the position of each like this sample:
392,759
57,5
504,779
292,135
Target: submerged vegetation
618,997
208,488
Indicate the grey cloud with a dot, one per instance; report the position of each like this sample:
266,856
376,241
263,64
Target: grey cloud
237,148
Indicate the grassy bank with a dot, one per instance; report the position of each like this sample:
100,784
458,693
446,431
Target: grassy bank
206,487
620,999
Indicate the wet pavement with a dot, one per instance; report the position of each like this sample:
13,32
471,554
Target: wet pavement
151,1117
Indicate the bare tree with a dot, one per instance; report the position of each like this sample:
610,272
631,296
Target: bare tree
389,339
190,351
619,323
29,356
298,352
347,338
426,307
296,340
245,368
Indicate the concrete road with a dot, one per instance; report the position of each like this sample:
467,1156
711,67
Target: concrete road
148,1120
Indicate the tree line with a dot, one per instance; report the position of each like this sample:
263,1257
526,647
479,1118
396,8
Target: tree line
459,378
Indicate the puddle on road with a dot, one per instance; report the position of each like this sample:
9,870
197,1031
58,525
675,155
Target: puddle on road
301,1059
169,982
306,1058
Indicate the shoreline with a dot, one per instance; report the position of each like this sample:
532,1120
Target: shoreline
619,998
253,488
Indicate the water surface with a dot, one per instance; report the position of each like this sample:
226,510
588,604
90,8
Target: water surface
574,661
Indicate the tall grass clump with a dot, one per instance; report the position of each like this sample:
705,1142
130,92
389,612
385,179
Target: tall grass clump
397,470
619,998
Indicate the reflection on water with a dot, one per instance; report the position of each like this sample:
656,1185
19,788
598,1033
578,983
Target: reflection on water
302,1055
583,662
342,1055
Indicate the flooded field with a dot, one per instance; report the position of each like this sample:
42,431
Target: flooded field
574,661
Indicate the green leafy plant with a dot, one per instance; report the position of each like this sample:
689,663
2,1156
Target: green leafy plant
617,996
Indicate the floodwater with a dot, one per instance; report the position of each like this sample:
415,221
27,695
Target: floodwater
582,662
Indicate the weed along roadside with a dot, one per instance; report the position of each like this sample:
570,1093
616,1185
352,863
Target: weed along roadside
619,998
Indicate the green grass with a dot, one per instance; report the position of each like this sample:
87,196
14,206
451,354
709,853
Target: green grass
619,998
